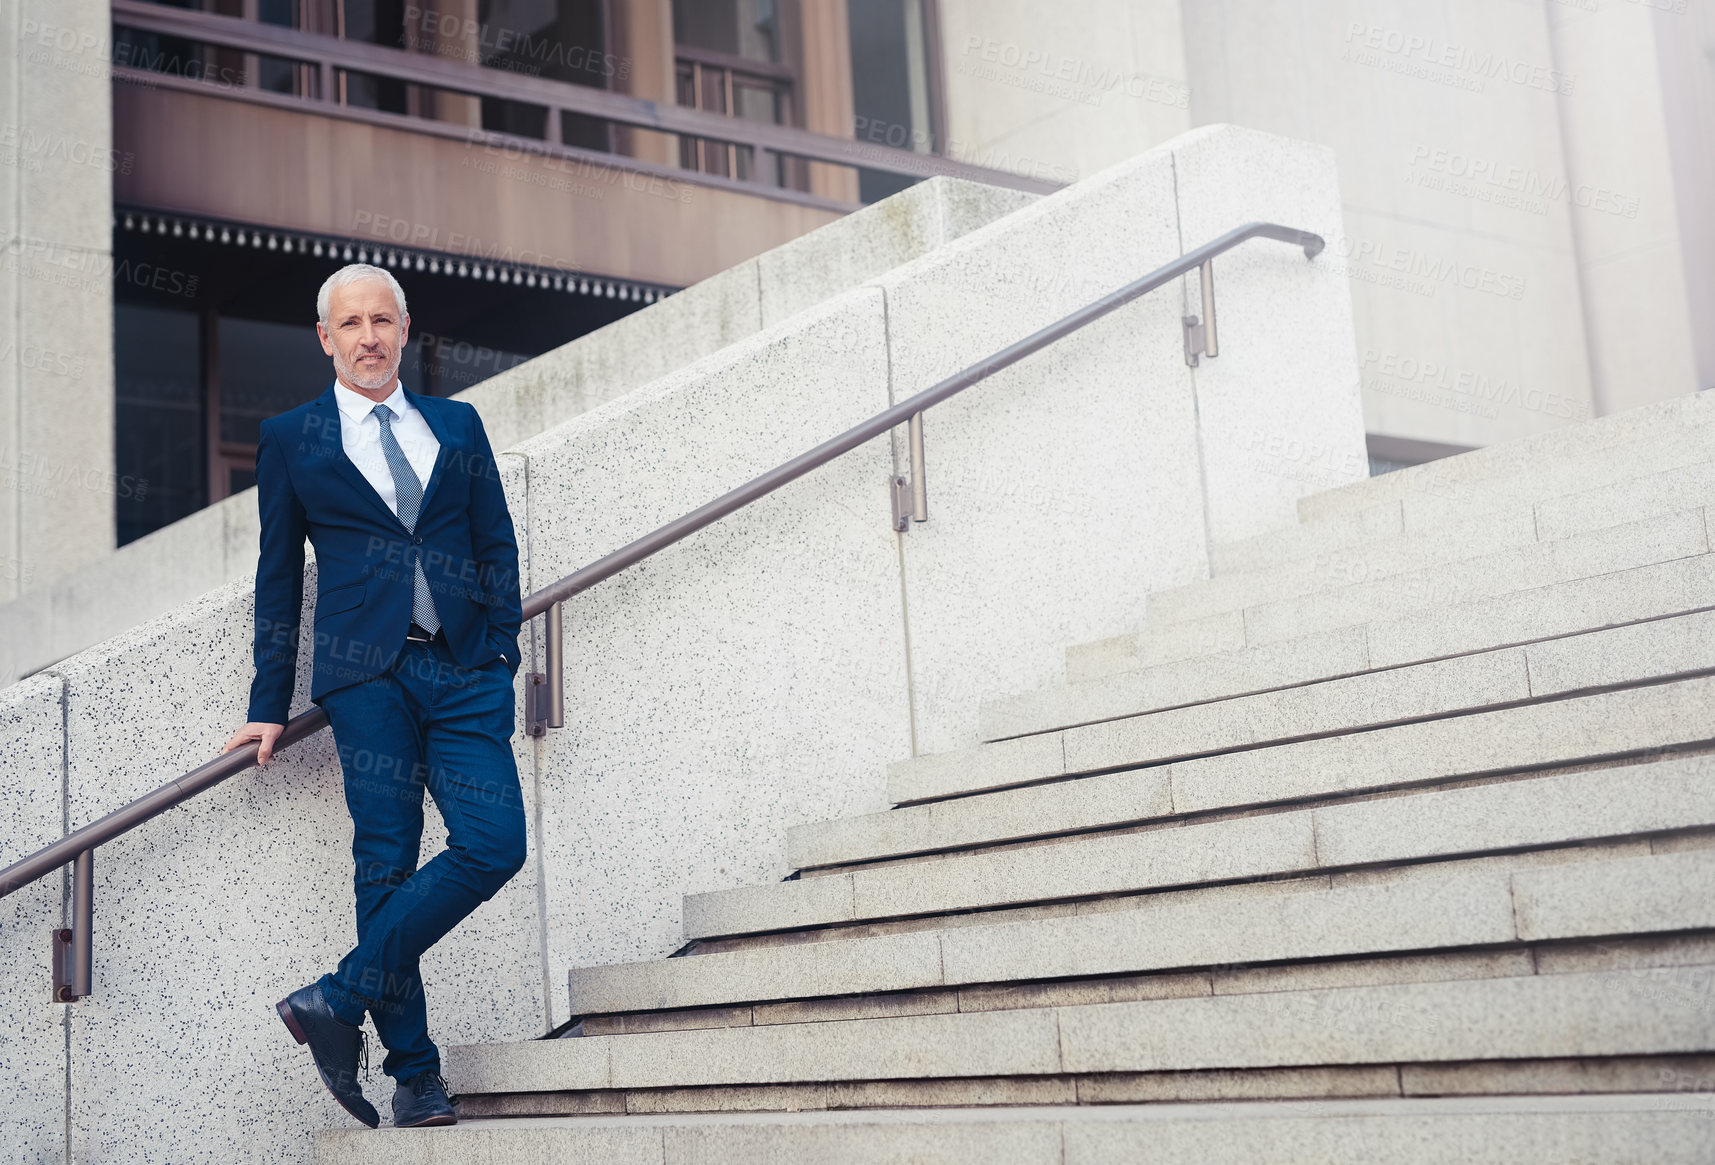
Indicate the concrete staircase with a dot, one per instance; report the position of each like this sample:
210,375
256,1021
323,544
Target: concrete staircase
750,680
1393,841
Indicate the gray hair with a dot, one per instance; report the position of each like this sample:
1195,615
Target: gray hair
356,273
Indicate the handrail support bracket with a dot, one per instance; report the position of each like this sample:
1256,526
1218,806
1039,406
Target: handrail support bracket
73,955
1200,333
911,495
545,691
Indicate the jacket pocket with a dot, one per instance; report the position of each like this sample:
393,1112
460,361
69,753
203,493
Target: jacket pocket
339,599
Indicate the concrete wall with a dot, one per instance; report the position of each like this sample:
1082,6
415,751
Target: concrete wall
1061,90
757,676
1523,181
1642,172
218,544
1465,292
57,163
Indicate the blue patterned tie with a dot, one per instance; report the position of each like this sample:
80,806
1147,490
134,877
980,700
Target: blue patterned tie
409,492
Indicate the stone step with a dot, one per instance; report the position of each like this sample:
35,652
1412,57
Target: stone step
1632,654
1644,1129
1367,561
1625,472
1469,474
1167,644
1632,1012
1654,495
1660,539
1422,592
1609,802
1580,730
1254,923
1285,615
1655,591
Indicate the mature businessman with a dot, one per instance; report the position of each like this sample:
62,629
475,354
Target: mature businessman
415,645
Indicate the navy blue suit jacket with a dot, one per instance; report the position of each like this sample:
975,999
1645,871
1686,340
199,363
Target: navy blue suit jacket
307,487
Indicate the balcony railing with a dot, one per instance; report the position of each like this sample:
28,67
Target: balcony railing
317,64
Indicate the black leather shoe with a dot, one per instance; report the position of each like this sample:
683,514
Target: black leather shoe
334,1044
421,1101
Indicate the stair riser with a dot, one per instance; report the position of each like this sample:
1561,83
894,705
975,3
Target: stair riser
1366,562
1471,476
1636,654
1487,905
1571,1077
1581,730
1642,1013
1477,557
1673,794
1621,485
1657,591
1492,906
1648,1131
1173,643
1209,677
1655,495
1429,515
1540,564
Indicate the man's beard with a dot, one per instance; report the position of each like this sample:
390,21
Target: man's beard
376,378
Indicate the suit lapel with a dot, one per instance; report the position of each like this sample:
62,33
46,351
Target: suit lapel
331,447
430,408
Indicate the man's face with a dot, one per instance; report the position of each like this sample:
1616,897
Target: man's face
365,334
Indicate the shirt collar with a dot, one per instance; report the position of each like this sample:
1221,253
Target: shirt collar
354,406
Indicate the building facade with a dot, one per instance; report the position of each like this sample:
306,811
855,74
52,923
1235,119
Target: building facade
1523,186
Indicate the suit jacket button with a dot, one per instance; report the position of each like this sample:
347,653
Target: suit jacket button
418,541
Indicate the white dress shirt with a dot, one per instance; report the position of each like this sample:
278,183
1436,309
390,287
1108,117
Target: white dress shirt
360,434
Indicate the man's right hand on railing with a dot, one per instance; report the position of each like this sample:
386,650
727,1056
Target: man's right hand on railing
266,733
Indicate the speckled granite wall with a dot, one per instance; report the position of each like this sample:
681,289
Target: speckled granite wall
32,1026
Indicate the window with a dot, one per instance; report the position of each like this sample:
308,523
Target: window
728,60
158,417
891,90
562,40
210,64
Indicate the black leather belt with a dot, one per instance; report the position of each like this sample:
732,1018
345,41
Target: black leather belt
417,634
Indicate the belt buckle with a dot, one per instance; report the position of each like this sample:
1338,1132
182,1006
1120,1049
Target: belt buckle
416,634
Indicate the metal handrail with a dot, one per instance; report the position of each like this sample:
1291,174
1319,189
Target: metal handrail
82,842
330,53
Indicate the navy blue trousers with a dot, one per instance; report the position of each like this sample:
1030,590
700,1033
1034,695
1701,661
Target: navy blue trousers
426,723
